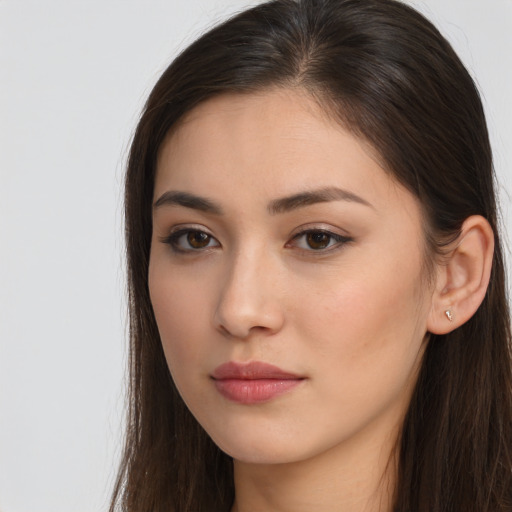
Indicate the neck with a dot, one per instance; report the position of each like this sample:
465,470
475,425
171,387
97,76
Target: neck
342,478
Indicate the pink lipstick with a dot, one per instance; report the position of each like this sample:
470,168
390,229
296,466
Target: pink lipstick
254,382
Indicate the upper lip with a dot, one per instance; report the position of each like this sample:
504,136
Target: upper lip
251,371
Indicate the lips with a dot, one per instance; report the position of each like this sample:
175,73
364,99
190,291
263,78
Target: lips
254,382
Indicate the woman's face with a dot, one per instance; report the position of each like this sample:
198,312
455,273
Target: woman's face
278,239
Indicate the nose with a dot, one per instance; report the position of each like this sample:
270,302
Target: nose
248,302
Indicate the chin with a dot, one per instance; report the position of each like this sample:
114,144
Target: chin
262,449
257,455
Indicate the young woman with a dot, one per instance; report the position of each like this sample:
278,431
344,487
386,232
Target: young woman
317,291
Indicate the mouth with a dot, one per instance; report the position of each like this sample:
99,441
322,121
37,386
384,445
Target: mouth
254,382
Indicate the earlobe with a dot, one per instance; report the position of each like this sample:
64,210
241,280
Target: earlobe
462,277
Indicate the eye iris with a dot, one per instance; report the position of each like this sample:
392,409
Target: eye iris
198,239
318,240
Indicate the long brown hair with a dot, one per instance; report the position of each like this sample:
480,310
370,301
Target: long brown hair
386,74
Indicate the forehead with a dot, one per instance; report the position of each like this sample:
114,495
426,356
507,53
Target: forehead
250,118
274,142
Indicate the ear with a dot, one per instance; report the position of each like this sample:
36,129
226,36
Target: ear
463,277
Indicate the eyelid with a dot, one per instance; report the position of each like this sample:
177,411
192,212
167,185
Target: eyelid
324,228
189,227
340,239
181,230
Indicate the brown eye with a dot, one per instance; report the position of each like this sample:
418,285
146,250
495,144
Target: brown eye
318,240
190,241
198,239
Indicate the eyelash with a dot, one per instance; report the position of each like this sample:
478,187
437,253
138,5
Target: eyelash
173,240
335,240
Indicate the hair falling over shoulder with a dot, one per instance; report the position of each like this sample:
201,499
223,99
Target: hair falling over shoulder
382,70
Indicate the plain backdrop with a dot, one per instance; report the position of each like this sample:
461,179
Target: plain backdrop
73,77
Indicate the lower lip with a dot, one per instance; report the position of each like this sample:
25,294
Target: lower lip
254,391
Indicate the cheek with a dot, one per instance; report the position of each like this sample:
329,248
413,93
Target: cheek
177,306
367,329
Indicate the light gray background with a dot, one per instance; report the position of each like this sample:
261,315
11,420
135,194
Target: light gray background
73,77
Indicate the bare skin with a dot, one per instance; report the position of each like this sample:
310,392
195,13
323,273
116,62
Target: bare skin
331,290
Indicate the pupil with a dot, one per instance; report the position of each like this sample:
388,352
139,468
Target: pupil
197,239
318,240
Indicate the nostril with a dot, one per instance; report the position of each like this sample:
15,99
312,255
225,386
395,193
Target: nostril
247,302
224,331
243,327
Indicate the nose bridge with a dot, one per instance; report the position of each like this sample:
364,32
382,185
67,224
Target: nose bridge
248,299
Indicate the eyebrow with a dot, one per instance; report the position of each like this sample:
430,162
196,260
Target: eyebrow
281,205
323,195
171,198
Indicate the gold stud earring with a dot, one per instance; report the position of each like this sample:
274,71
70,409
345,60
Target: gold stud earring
449,315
